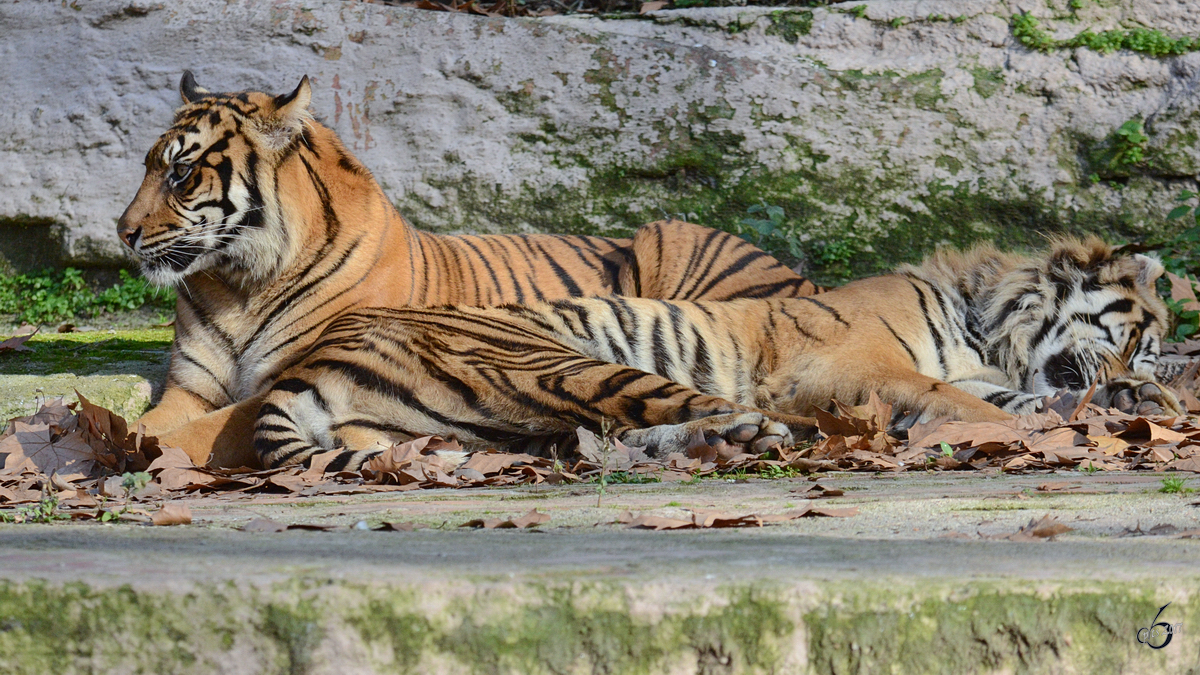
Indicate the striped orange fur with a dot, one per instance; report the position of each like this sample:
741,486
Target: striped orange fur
978,336
269,229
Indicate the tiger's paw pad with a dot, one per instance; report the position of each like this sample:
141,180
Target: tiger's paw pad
752,433
1141,398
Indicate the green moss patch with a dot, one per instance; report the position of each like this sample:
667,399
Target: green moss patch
870,626
89,353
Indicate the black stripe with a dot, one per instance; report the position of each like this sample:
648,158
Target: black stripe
833,312
899,339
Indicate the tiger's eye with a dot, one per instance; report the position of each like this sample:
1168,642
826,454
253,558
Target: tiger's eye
180,171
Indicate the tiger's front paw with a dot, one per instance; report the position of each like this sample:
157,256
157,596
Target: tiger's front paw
749,432
1138,397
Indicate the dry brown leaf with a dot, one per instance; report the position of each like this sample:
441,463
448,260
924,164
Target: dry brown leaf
1191,464
1047,527
16,344
1057,486
648,7
972,434
1182,291
171,458
402,455
317,465
1109,445
172,514
1147,432
1161,454
47,450
816,492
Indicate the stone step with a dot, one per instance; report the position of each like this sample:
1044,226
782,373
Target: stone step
884,591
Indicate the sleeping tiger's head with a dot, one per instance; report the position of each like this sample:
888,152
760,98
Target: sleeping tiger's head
209,196
1080,312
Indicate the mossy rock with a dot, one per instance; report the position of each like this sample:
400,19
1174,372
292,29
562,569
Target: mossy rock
120,370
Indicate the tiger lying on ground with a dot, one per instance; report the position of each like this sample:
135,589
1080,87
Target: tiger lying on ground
269,229
978,336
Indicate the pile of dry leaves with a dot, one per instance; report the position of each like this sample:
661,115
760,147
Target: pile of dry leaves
88,459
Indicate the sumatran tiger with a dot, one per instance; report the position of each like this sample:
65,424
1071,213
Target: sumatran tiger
269,229
978,336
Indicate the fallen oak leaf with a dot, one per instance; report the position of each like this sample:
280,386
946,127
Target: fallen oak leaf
1047,527
1182,291
16,344
1142,428
172,514
1057,486
817,491
47,450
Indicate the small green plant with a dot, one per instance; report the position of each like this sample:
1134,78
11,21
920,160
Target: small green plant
629,478
1181,257
1185,209
49,296
45,511
1129,146
896,22
131,483
1028,31
673,503
768,227
606,450
772,472
736,475
857,11
947,451
1089,469
1174,485
789,25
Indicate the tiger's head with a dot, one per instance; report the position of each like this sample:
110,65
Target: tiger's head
1083,311
201,204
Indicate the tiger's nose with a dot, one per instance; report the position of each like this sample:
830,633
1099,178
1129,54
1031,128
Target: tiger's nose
130,235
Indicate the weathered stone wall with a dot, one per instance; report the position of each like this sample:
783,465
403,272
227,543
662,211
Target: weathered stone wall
880,131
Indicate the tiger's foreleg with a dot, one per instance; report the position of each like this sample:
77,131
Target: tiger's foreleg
176,408
222,438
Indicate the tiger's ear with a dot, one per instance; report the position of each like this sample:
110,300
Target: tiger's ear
295,104
189,91
289,117
1149,269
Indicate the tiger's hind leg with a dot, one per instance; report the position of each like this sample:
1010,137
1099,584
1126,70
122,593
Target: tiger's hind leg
522,390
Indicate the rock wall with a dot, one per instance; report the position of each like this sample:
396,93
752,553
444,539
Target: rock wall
881,128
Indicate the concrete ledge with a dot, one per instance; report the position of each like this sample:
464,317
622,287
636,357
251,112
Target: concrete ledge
202,600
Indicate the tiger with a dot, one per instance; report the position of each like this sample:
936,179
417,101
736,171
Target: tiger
269,229
977,336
